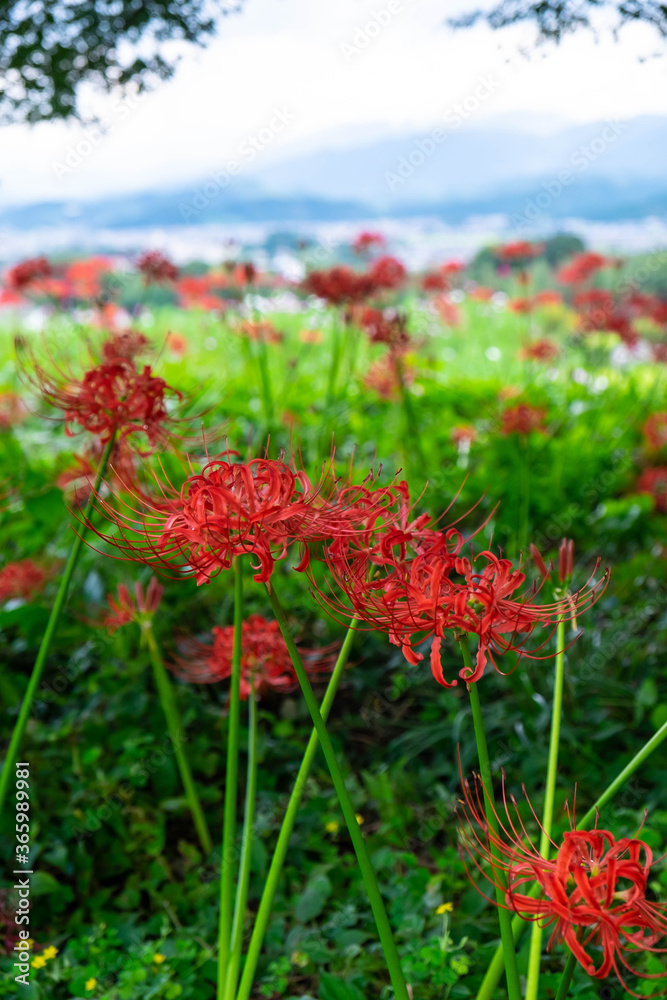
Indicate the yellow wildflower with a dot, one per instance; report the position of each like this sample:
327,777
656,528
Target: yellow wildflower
158,958
50,952
332,826
445,908
38,963
91,983
359,818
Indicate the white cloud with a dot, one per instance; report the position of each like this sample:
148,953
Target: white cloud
311,60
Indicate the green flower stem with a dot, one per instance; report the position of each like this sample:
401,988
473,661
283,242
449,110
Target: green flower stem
334,366
231,787
504,919
280,853
412,443
43,652
535,953
177,735
246,842
494,971
568,973
265,376
370,882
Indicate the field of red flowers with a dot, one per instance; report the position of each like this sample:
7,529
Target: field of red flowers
332,617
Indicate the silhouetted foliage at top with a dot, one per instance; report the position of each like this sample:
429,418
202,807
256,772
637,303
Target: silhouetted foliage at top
555,19
48,48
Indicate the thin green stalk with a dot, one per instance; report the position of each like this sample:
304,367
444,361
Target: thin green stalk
231,787
412,445
334,366
280,853
504,919
524,503
43,652
176,734
246,842
265,376
535,953
370,882
494,971
568,973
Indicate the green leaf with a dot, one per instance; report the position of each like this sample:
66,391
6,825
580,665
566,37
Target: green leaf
312,899
332,988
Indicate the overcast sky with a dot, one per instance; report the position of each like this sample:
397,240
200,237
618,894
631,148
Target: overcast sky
314,74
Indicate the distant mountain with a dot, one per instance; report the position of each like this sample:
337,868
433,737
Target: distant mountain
603,172
462,160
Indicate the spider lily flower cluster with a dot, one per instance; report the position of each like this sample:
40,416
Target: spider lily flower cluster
593,894
389,570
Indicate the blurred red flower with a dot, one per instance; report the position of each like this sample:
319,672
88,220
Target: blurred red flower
539,350
28,274
265,661
366,240
655,430
21,579
582,267
156,268
654,482
125,608
387,272
523,419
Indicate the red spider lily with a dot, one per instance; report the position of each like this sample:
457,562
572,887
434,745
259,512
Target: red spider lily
548,298
83,276
387,272
156,268
518,253
482,294
598,310
177,343
582,267
385,327
539,350
197,292
12,410
384,377
110,398
593,892
28,274
439,590
245,274
523,419
229,509
265,661
565,561
126,608
339,285
21,579
658,312
127,344
366,240
264,330
448,311
655,431
654,482
521,306
435,281
307,336
464,432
